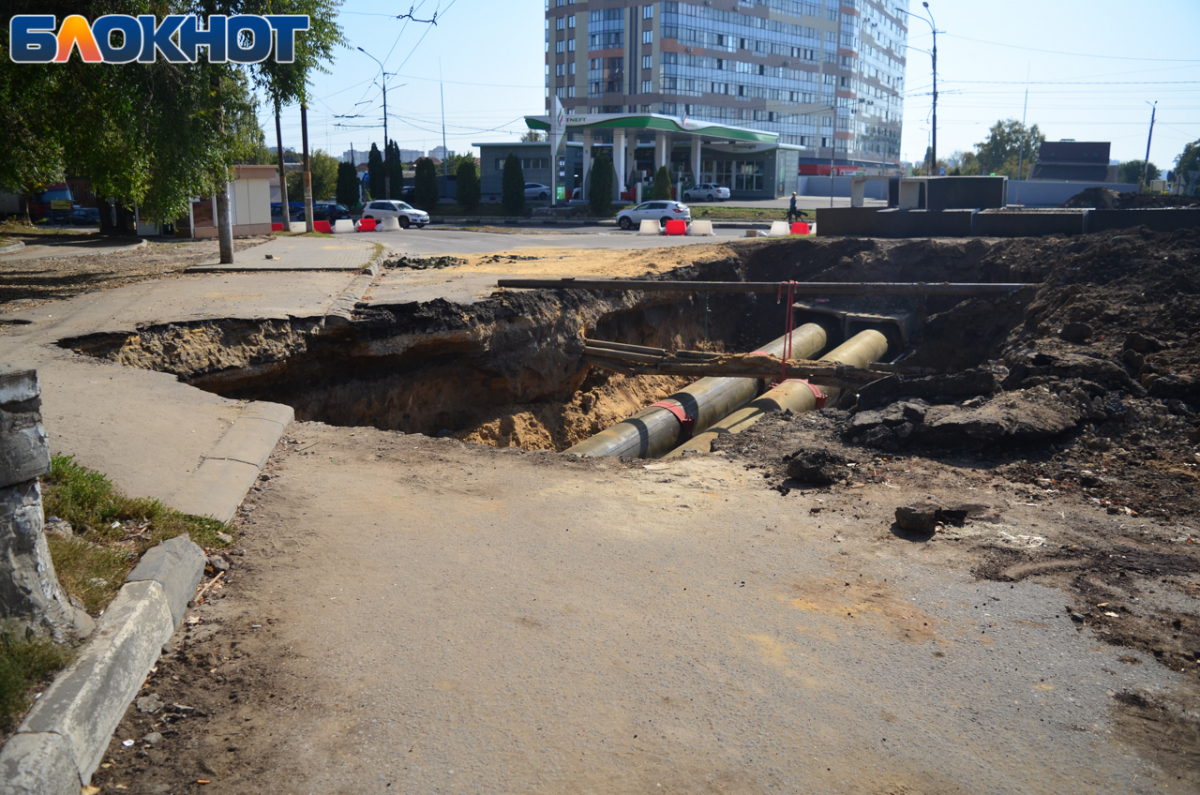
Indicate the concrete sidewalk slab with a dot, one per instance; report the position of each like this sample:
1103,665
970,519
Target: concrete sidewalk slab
302,254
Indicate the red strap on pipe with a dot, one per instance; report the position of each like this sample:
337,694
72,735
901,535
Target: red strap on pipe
817,393
687,423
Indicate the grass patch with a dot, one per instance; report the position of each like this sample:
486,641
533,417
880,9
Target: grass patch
376,253
24,663
721,213
112,531
12,227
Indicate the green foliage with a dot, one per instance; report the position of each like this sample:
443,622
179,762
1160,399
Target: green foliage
600,191
1130,172
533,136
347,185
425,187
512,193
324,168
662,184
395,168
146,134
92,566
25,662
1006,141
375,173
1188,161
467,191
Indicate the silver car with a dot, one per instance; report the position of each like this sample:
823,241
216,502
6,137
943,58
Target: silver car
661,211
536,190
404,213
708,191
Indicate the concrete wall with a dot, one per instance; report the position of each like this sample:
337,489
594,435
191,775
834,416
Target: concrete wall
872,222
819,186
1164,220
1044,193
1001,223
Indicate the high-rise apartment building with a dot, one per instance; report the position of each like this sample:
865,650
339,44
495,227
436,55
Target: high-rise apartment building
826,76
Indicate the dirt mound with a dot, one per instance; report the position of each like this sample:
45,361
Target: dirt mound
1098,198
1108,199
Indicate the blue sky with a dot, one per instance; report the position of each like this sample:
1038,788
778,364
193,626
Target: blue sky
1091,64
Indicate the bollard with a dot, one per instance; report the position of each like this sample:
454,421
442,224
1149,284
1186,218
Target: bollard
701,229
650,228
389,224
343,226
779,229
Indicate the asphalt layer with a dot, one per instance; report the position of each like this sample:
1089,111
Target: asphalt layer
453,618
434,241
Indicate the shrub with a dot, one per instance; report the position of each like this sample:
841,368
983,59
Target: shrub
467,192
425,187
600,192
662,184
513,193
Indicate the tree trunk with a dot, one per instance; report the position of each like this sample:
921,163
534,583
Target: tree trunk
29,589
106,222
283,192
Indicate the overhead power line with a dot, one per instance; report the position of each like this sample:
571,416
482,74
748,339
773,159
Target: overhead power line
1073,54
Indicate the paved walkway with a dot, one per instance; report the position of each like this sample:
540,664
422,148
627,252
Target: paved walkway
349,252
145,429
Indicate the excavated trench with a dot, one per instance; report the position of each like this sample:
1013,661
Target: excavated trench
508,371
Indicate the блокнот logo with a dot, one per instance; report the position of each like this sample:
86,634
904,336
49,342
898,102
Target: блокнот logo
239,39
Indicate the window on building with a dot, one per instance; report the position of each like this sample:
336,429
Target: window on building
570,45
648,12
647,61
561,92
570,91
560,46
571,68
647,37
560,70
647,86
560,23
571,22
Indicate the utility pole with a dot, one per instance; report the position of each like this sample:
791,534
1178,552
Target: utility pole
445,151
308,197
933,25
387,172
1149,138
1021,151
283,195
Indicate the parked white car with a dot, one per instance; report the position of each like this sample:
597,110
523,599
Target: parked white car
709,192
536,190
661,211
405,214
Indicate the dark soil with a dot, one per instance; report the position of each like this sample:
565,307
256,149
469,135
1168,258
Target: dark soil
1107,199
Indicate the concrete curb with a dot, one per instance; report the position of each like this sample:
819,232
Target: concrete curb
62,740
12,247
341,311
142,243
227,473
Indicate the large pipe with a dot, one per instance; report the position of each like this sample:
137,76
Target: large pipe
799,396
657,429
797,288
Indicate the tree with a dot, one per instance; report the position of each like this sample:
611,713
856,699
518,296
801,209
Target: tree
425,187
395,168
347,185
1006,142
1131,171
533,136
375,172
1186,166
324,168
467,192
600,192
513,186
662,184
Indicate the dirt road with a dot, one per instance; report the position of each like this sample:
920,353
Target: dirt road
419,615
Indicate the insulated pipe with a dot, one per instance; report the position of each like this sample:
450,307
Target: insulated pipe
657,429
799,396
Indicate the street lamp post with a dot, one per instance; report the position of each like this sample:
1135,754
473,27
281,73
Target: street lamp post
387,172
933,28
